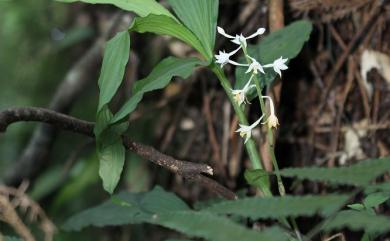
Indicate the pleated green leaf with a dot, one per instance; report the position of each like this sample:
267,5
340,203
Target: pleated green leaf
126,208
359,174
277,207
356,220
157,79
210,227
164,25
200,16
286,43
116,55
140,7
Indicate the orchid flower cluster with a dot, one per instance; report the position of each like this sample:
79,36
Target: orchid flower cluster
255,68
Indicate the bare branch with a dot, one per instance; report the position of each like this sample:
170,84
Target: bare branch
189,170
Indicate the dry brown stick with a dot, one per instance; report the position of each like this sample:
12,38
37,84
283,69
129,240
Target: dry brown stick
9,215
186,169
24,202
337,126
359,36
37,151
213,138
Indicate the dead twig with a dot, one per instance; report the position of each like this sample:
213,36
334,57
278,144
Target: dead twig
186,169
9,216
26,204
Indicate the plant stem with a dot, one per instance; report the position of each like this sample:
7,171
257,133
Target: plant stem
271,147
269,130
250,144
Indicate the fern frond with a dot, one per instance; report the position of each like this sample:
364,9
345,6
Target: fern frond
211,227
359,174
356,220
126,208
277,207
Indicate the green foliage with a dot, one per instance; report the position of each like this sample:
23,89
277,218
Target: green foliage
157,79
355,220
286,42
200,17
257,177
140,7
375,199
383,187
165,209
208,226
135,208
115,59
110,150
164,25
276,207
359,174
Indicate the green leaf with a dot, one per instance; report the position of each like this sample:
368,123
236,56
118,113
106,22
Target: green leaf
355,221
286,42
115,59
356,206
110,150
277,207
257,177
359,174
211,227
140,7
134,208
200,16
164,25
376,199
157,79
383,187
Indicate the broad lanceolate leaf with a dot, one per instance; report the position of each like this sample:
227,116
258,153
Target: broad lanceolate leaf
165,25
359,174
286,42
140,7
157,79
278,207
110,150
211,227
127,208
356,220
200,16
115,59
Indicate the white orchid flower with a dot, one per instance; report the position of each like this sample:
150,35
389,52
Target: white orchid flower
277,65
240,94
272,120
247,130
255,66
223,58
240,39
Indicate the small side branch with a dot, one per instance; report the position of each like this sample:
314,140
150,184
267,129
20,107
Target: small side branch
188,170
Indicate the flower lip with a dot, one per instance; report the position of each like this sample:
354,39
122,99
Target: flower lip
272,120
255,66
246,130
